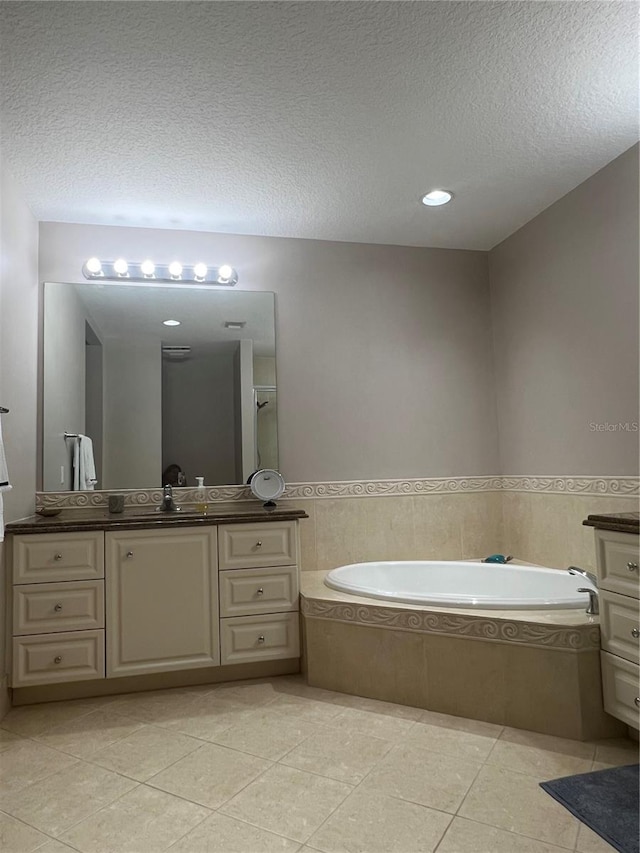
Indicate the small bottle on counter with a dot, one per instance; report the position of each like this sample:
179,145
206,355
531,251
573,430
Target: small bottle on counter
201,496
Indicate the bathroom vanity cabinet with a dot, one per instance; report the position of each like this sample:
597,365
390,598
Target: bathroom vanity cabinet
128,600
618,561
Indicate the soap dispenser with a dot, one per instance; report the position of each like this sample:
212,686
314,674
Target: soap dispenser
201,496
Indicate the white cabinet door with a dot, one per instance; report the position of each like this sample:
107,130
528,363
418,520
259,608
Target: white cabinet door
162,600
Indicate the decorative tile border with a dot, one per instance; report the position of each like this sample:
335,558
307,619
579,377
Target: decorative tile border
575,639
597,486
628,487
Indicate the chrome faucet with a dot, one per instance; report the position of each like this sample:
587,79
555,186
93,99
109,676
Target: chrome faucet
593,608
574,570
168,504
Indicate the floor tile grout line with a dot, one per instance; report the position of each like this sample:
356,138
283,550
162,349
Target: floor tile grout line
144,781
513,831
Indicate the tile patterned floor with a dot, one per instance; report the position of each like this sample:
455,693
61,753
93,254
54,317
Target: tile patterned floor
274,765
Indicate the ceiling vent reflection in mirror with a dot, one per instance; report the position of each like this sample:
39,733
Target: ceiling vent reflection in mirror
147,272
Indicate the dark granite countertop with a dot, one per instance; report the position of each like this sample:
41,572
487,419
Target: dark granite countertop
76,521
623,522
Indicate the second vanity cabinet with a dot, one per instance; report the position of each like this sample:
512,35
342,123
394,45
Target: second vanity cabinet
618,569
162,600
130,602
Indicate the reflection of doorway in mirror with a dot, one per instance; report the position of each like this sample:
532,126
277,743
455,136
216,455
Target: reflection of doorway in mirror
266,426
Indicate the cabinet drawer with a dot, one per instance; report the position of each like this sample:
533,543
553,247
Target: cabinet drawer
52,557
52,658
244,592
43,608
252,638
621,688
620,625
618,562
245,546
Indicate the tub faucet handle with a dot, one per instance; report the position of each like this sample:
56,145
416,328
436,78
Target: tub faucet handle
593,608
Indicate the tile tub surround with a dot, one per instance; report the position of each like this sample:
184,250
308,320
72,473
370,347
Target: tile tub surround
538,519
356,774
537,670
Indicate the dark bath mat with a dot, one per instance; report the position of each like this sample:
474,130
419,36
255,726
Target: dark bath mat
606,800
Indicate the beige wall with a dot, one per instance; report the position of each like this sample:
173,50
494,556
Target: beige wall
384,353
564,292
18,365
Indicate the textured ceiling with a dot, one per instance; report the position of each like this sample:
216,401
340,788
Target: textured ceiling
325,120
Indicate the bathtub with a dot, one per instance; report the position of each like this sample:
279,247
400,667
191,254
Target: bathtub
462,584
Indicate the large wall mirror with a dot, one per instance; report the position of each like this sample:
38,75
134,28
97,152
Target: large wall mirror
158,376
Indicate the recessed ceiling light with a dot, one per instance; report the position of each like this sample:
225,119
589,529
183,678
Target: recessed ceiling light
434,198
235,324
171,322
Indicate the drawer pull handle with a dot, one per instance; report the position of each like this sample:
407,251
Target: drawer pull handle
58,557
258,544
633,567
635,632
259,591
58,608
58,659
261,639
637,701
129,555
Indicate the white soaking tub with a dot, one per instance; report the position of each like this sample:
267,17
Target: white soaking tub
460,584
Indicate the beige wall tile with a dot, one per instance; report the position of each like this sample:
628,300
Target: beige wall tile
357,530
481,524
438,525
543,692
466,678
342,655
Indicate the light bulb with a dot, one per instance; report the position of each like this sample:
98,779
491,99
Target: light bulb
148,268
94,266
121,266
434,198
175,269
200,270
225,272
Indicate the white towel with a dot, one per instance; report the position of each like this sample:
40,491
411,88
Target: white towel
84,467
5,485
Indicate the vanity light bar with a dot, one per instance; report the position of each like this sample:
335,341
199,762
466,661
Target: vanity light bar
148,271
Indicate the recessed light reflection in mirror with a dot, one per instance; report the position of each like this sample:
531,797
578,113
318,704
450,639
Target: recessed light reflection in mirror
171,322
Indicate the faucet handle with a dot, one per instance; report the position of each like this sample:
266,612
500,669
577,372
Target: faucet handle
593,608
